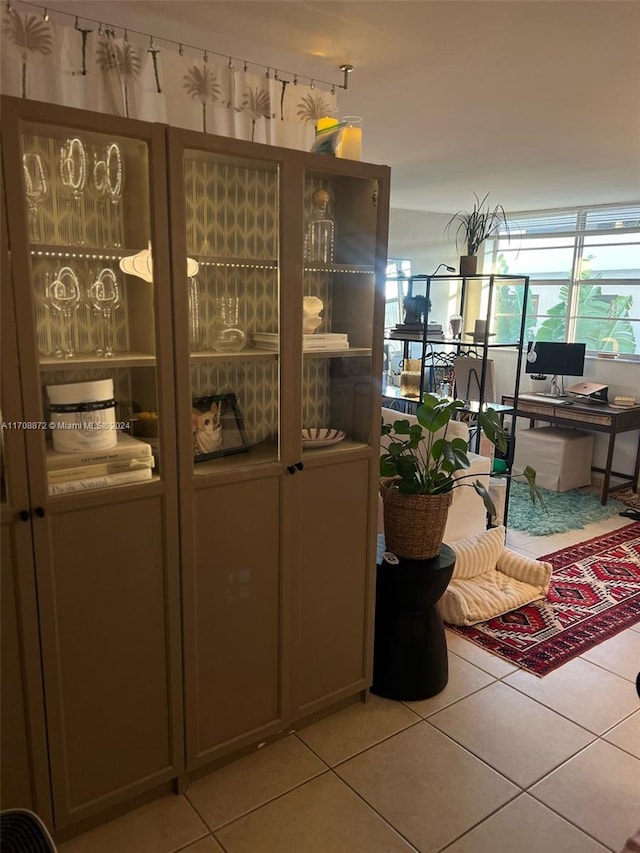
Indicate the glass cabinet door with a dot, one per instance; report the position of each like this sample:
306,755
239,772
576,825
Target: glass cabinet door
339,287
232,242
87,200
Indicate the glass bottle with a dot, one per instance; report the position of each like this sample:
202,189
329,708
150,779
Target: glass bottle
195,321
319,241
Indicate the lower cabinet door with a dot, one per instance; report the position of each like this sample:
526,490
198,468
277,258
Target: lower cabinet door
335,584
109,614
232,616
24,770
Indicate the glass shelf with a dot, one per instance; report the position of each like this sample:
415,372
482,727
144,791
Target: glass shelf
78,362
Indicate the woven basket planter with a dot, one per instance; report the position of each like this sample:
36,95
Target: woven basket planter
414,524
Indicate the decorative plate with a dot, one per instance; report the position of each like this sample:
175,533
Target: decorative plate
321,437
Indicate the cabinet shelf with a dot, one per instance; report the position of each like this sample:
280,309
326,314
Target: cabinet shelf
256,352
250,352
340,268
83,253
237,263
121,359
257,454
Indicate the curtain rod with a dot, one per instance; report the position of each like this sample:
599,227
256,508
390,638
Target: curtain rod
110,30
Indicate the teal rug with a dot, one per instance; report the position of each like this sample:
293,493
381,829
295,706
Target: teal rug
571,510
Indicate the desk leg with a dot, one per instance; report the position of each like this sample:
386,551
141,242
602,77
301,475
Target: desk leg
636,473
607,468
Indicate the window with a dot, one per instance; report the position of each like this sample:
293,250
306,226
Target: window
584,269
398,271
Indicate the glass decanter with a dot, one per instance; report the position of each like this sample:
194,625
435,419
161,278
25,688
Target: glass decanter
320,235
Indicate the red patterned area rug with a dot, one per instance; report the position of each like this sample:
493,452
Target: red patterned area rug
594,594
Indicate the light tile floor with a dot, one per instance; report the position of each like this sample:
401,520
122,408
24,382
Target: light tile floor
500,761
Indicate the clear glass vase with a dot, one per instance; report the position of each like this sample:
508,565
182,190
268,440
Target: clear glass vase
195,321
227,335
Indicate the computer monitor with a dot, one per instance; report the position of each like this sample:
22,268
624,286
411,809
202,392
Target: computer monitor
557,359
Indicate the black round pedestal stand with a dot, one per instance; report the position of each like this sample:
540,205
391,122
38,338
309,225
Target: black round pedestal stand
410,649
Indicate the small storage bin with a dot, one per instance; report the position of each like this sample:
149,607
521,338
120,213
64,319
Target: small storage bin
82,416
561,457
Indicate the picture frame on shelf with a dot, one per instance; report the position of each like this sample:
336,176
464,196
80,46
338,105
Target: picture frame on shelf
217,427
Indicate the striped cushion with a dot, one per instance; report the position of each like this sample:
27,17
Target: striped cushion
525,569
478,554
489,579
466,602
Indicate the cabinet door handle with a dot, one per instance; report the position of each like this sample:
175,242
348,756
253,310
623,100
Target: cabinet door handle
40,512
24,515
291,469
299,465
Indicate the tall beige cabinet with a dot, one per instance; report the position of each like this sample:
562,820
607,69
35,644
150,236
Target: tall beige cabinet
103,562
181,618
277,533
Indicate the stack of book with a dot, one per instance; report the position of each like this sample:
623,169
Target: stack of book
416,331
326,341
130,461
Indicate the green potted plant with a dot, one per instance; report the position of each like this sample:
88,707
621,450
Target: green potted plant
473,228
421,469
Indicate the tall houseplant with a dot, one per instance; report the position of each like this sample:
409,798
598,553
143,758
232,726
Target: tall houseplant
421,469
473,228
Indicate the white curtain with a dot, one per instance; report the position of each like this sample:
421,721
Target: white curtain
57,63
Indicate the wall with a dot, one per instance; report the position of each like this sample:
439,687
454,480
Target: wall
420,237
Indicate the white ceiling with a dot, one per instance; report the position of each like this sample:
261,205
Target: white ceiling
536,103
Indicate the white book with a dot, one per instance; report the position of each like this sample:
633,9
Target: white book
307,346
60,475
102,481
330,337
325,345
127,447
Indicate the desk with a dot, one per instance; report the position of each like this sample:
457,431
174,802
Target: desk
591,417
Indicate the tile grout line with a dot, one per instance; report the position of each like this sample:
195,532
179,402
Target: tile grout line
266,802
523,788
375,810
568,820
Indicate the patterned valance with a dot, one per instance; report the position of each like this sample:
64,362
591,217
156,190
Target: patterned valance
46,60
